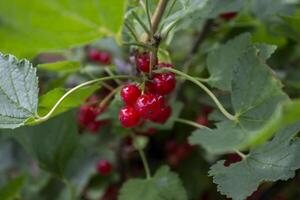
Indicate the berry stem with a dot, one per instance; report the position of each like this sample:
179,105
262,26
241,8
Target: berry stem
243,156
48,115
188,122
201,85
144,160
158,13
108,97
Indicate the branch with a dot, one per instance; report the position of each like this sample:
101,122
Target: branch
157,16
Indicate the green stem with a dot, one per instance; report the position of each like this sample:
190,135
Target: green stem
201,85
111,74
148,13
139,44
132,31
141,23
188,122
145,163
48,115
144,160
243,156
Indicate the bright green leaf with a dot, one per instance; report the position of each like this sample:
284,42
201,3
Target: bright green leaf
75,99
18,91
33,26
12,189
164,185
61,67
292,27
273,161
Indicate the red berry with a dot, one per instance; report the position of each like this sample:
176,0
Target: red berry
229,15
87,117
129,117
232,158
111,193
162,83
104,167
143,62
130,93
202,120
164,115
171,146
98,56
149,105
206,110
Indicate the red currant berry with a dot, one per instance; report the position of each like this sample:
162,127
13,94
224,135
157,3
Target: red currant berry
98,56
129,117
130,93
202,120
104,167
206,110
149,105
143,62
111,193
163,115
232,158
171,146
162,83
229,15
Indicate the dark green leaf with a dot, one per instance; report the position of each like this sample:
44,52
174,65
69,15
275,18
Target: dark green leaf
275,160
164,185
255,96
52,143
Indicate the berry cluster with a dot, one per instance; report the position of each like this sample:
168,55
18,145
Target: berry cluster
101,57
87,116
176,152
149,104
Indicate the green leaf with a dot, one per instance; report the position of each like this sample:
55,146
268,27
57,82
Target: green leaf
30,27
205,9
75,99
255,96
18,91
273,161
221,62
291,27
12,189
164,185
65,67
52,144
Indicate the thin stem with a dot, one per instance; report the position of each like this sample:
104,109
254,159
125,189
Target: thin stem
132,31
141,23
188,122
243,156
145,163
201,85
48,115
110,73
144,159
108,97
157,16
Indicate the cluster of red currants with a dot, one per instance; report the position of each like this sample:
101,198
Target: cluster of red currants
149,104
101,57
87,116
177,152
